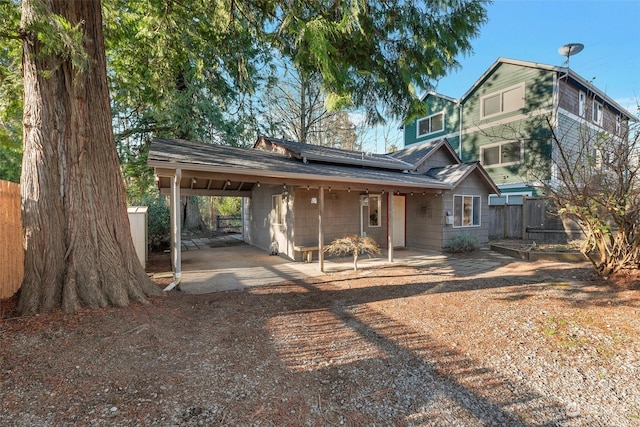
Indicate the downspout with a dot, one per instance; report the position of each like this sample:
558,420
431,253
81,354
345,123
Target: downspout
321,228
176,243
390,221
555,117
460,131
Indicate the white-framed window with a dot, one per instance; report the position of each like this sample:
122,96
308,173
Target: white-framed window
618,125
597,113
504,101
374,209
582,103
501,154
431,124
277,209
466,211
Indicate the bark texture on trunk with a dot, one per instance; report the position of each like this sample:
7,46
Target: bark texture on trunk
191,217
78,247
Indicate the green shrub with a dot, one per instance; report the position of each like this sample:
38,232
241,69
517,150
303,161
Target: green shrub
463,243
158,221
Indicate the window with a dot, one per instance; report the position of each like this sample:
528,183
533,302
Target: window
597,113
508,199
277,211
433,123
582,103
507,100
466,211
618,125
374,205
501,154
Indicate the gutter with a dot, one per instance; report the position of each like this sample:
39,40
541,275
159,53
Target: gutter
294,175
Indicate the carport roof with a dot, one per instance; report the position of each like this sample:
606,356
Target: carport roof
209,169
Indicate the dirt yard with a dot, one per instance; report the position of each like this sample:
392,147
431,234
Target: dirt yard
531,344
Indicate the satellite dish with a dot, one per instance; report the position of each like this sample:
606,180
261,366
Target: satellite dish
570,49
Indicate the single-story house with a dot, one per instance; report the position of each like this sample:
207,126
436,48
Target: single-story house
299,197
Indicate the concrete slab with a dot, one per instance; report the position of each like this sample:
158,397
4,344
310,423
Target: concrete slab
237,267
242,267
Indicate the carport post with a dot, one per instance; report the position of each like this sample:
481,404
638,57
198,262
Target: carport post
390,226
320,230
176,244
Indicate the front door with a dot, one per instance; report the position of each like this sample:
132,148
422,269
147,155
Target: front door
399,221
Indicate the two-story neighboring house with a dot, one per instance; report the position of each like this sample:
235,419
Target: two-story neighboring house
506,119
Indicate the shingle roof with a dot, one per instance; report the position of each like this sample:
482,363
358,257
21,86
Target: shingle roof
255,163
183,154
418,153
453,175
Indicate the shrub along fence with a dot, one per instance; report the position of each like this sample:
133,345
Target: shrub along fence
536,219
11,251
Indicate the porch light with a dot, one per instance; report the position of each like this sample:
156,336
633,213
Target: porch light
228,183
258,184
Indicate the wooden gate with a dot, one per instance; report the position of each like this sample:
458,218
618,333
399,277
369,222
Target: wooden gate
11,250
536,219
505,222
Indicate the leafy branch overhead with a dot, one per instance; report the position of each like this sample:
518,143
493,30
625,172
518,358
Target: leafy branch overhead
56,36
374,54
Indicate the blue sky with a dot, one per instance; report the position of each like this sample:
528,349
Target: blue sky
533,30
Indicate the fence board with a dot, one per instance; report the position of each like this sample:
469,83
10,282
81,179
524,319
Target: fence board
505,222
11,251
543,223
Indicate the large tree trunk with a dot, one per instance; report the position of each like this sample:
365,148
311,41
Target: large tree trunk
191,217
79,250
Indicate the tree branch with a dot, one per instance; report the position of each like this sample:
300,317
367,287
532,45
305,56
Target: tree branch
11,36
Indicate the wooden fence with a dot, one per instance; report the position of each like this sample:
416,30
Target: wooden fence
229,223
536,219
11,251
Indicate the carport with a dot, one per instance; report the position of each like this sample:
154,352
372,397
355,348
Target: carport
185,168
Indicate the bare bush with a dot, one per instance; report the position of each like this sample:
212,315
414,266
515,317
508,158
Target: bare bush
354,245
596,181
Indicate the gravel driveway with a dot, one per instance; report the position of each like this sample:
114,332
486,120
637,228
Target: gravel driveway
530,344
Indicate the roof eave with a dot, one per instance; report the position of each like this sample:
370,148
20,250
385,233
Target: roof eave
172,165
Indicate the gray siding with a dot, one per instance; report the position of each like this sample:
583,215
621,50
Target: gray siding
261,230
341,218
569,101
425,220
438,159
472,186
